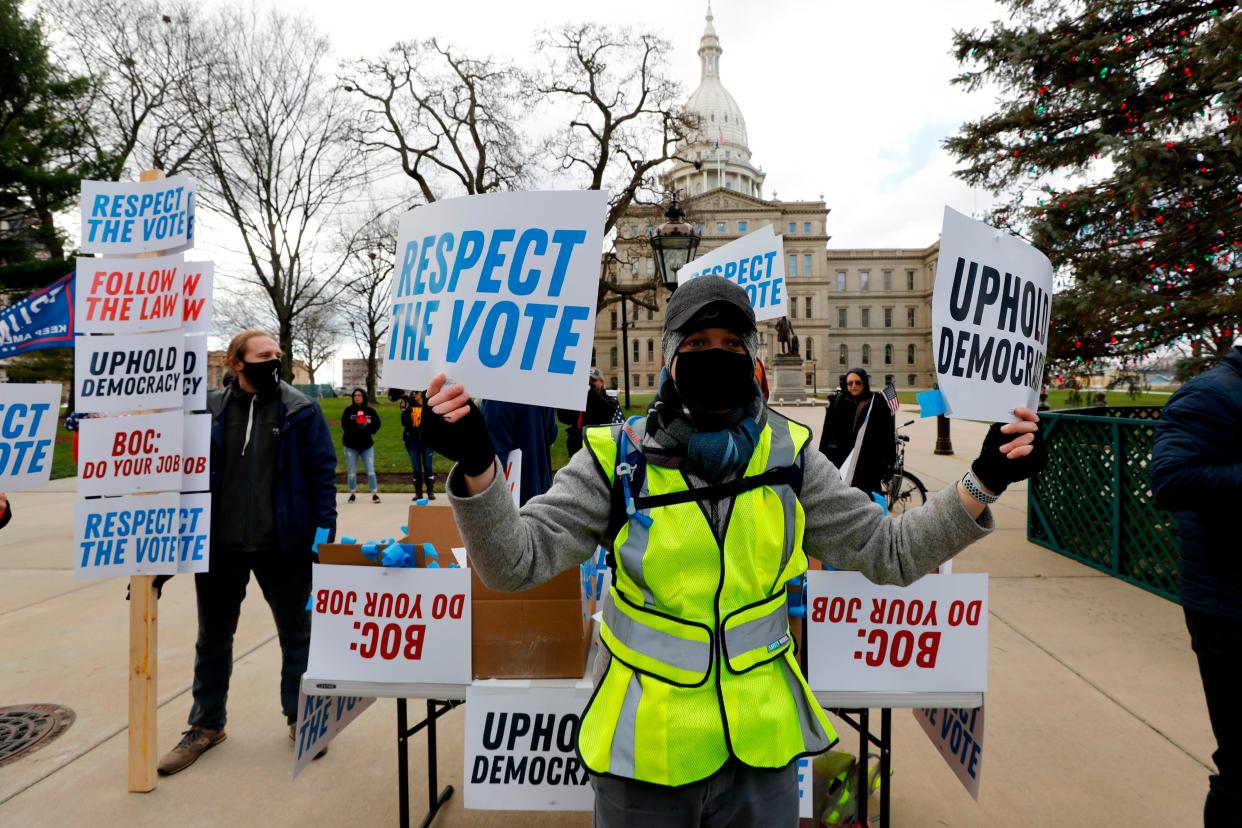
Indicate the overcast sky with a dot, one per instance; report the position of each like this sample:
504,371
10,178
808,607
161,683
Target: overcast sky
846,99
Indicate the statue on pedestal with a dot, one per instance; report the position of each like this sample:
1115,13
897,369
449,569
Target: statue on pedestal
787,338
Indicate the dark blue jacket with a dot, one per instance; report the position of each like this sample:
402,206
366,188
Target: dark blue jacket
531,428
1196,471
305,485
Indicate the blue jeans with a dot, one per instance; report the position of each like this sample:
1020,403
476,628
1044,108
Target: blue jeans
351,467
421,459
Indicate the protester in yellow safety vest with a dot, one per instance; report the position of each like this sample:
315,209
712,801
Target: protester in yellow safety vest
707,507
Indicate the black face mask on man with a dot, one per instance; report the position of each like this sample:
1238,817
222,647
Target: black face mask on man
264,376
715,379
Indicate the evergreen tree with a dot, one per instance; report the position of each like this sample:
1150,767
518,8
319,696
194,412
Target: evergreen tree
1116,149
41,161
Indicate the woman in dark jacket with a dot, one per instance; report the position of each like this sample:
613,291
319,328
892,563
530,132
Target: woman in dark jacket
359,421
852,409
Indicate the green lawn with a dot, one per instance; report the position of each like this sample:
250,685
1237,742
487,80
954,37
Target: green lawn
1060,399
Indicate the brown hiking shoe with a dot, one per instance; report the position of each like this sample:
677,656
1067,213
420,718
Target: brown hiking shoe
293,734
193,743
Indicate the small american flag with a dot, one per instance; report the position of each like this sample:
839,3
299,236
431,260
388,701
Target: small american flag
617,416
890,397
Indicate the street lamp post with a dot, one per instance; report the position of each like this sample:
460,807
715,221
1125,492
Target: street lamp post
625,350
674,243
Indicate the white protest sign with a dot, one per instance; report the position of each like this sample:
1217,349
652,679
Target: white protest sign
990,312
499,292
195,533
126,455
196,453
320,719
931,636
120,296
806,789
126,535
958,734
513,476
123,218
756,262
28,413
520,749
194,373
128,372
196,296
387,624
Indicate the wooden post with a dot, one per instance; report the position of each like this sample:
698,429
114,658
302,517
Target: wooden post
143,650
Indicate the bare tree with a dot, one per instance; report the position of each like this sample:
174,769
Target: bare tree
138,55
274,158
450,120
371,254
317,333
317,337
627,120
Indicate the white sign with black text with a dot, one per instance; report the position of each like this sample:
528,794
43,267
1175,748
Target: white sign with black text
128,372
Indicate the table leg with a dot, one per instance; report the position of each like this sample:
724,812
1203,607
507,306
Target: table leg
403,766
435,796
864,744
886,763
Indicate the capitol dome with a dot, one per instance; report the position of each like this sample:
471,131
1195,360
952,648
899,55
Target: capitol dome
718,151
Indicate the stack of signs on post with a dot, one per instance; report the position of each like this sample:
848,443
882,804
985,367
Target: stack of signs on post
990,311
756,262
499,292
140,366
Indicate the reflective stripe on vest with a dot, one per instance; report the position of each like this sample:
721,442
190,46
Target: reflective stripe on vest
752,635
676,651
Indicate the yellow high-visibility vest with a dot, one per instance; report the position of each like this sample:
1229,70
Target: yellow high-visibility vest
702,663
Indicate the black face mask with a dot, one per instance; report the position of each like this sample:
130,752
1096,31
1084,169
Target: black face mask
264,376
715,379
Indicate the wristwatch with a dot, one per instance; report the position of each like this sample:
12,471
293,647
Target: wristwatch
975,490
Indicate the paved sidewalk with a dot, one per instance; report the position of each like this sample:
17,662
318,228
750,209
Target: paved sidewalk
1094,711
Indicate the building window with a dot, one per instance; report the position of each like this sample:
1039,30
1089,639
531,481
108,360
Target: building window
651,267
613,321
633,231
909,280
635,349
841,318
793,307
888,354
866,317
741,227
911,379
888,280
649,231
810,349
864,279
793,228
866,358
806,228
806,264
810,379
612,382
793,264
650,315
909,317
651,350
844,356
634,380
720,227
612,357
888,379
651,380
888,317
809,313
910,357
840,281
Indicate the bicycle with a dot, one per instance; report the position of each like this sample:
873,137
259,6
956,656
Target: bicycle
902,490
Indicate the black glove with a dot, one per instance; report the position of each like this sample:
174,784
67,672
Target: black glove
158,583
466,441
996,471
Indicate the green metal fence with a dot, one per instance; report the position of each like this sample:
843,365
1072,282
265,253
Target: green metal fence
1093,502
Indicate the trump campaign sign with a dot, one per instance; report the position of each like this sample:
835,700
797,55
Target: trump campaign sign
756,262
990,312
499,292
931,636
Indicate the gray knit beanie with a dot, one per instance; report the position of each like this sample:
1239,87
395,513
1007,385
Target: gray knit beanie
708,302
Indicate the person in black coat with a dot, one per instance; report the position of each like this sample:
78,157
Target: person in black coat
599,410
1196,471
359,422
848,410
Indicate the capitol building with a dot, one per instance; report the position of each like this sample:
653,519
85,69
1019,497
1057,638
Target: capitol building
849,307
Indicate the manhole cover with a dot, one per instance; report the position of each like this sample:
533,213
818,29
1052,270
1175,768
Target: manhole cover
27,727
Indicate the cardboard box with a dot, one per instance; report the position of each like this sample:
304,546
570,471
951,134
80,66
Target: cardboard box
543,632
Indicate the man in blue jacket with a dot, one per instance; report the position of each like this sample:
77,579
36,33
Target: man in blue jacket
273,482
1196,471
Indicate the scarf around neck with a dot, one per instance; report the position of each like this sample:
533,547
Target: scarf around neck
715,446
